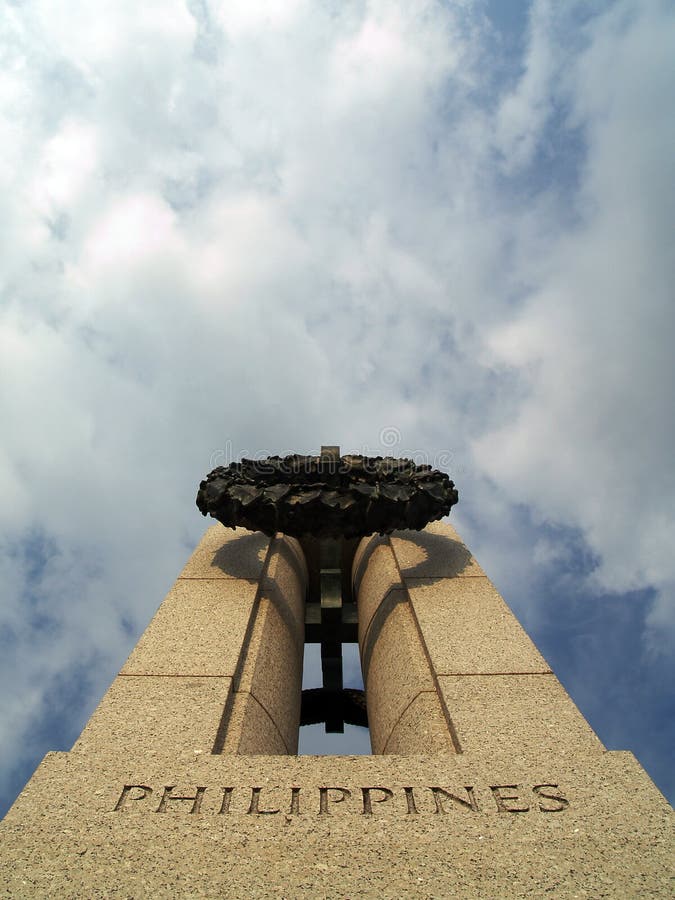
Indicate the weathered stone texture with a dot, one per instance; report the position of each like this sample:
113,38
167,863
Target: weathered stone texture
488,782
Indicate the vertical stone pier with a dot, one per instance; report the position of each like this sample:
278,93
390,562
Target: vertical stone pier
485,780
219,667
447,666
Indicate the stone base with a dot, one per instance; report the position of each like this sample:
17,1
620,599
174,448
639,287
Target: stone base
589,825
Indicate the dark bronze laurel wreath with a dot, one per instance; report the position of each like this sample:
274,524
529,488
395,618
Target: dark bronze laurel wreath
326,497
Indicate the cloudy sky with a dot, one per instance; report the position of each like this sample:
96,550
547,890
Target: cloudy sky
414,227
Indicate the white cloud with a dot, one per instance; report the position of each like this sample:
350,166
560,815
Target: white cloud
523,111
591,445
135,228
286,224
241,19
68,160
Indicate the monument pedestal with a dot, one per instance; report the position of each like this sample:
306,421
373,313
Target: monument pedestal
592,825
488,781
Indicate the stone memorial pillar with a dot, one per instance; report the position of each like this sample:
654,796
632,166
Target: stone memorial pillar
447,666
485,780
219,667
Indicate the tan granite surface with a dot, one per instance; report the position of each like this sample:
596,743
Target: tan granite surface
269,683
514,795
375,575
219,667
490,712
285,584
395,672
272,673
436,552
227,553
198,630
498,826
166,717
251,730
421,724
398,678
468,628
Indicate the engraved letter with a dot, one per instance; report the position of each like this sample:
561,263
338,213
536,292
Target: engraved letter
225,805
500,799
124,796
441,794
295,802
324,798
166,797
410,800
560,801
255,804
367,801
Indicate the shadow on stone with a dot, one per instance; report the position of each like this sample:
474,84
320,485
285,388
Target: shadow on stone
277,594
242,556
430,555
418,554
364,551
392,599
